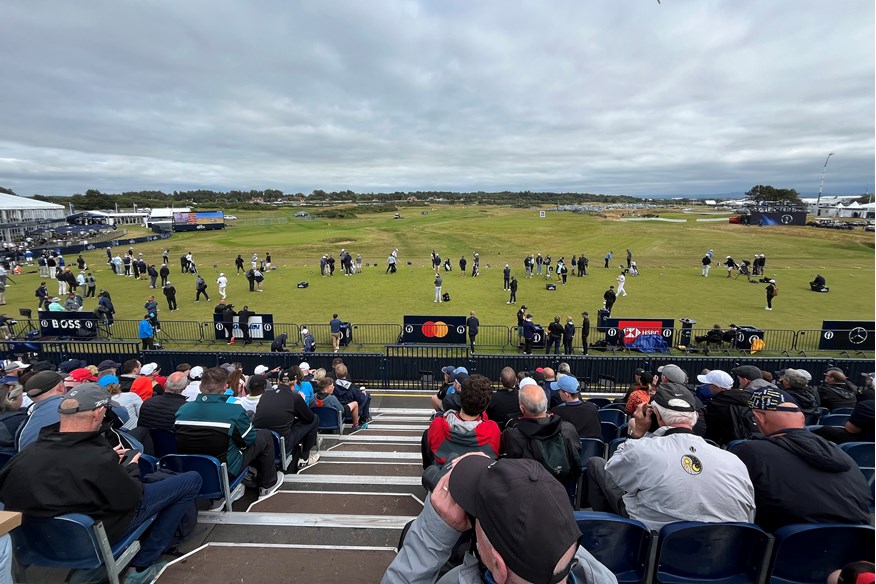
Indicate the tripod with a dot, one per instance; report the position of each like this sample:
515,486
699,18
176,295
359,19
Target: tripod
21,333
158,342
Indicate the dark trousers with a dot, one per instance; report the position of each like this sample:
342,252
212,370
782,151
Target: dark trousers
513,296
471,341
244,329
506,284
604,494
89,293
527,346
229,330
584,343
261,456
304,434
252,284
198,295
147,343
167,500
553,341
567,346
171,302
769,301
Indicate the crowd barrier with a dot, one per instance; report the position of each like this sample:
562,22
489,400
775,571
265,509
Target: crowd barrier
419,367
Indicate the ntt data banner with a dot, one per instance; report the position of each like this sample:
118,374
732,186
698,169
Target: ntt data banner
443,330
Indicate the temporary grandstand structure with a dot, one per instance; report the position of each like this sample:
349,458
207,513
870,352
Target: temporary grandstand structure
20,216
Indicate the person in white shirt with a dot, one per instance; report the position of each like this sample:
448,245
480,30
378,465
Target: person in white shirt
670,474
256,386
621,280
193,389
222,283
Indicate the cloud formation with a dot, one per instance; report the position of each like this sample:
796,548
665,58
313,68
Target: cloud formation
684,97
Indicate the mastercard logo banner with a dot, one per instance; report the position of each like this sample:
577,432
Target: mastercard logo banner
435,329
439,329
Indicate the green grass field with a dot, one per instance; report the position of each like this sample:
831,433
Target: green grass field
668,256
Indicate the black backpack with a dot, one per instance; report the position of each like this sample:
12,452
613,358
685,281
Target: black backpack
744,424
554,454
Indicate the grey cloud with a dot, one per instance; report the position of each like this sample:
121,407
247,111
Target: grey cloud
680,98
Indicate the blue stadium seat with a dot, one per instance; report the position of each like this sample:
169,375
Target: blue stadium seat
806,553
591,447
725,553
216,484
74,541
599,402
613,416
621,545
834,420
609,431
733,443
863,453
282,456
612,446
616,406
329,419
147,464
842,410
163,442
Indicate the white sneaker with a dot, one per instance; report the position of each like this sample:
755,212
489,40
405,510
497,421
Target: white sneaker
767,308
266,491
311,460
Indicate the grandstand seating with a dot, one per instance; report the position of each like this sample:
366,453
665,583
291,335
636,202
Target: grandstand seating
612,446
622,545
833,420
599,402
806,554
609,431
693,551
330,420
163,442
611,415
863,453
216,482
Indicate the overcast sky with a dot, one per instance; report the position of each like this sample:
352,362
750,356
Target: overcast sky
601,96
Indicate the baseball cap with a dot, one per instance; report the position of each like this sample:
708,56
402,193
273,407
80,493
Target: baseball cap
717,377
108,364
71,364
42,382
461,370
88,396
639,371
196,373
460,376
526,381
107,380
673,396
260,370
448,370
304,331
770,398
834,368
566,383
258,382
542,527
149,368
673,373
305,366
82,374
11,366
748,372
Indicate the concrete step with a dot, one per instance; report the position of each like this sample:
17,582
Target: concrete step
371,447
382,437
381,456
323,503
259,563
369,468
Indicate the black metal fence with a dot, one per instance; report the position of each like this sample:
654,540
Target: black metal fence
419,367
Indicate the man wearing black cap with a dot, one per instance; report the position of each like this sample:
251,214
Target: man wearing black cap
671,474
750,377
523,523
798,476
521,316
73,455
585,331
46,389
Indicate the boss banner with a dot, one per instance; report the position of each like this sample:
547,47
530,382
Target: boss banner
261,326
847,335
443,330
67,324
624,332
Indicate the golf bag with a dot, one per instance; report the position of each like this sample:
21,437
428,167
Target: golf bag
445,297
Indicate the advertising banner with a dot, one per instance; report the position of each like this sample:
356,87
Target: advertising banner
441,330
626,331
67,324
847,335
261,326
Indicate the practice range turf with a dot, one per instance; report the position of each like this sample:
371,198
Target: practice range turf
668,257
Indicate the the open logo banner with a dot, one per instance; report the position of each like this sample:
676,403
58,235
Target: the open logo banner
441,330
625,331
261,326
